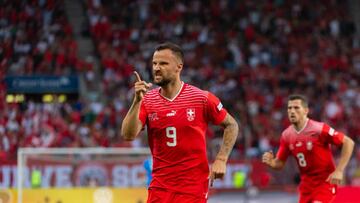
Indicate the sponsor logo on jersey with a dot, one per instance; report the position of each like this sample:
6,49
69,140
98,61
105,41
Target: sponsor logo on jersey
331,132
298,144
153,117
309,145
190,113
219,106
172,113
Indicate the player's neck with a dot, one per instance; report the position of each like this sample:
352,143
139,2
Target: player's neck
171,90
299,126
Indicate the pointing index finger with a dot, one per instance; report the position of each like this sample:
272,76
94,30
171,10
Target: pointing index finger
138,79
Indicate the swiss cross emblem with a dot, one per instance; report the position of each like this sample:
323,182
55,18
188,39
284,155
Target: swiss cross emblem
190,113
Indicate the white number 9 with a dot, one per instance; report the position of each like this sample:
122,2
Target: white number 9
171,133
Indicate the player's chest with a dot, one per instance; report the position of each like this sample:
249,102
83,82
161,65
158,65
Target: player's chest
303,143
160,118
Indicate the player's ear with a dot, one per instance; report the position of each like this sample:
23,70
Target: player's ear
179,67
306,110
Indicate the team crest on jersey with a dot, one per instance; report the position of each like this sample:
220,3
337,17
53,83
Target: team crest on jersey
309,145
190,113
153,117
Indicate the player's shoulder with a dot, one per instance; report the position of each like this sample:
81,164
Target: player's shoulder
288,131
152,92
193,91
315,125
151,95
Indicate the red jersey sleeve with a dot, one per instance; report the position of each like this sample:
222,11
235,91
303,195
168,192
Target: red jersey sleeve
330,135
215,110
142,114
284,151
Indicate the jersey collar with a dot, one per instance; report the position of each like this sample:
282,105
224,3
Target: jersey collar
177,94
302,129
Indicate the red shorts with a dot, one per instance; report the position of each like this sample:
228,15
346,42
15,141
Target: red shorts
325,193
156,195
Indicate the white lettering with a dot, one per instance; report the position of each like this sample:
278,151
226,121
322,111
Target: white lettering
5,170
135,175
46,176
63,176
172,113
120,176
14,175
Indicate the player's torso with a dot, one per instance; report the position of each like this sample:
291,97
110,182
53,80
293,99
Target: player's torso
176,128
313,156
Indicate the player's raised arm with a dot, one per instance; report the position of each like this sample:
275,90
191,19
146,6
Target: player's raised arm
269,159
131,125
231,130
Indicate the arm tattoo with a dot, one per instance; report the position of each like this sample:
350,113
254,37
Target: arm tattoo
231,130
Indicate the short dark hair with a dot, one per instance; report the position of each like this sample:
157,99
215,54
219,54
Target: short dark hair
302,98
176,49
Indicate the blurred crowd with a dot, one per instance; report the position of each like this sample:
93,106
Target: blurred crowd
250,53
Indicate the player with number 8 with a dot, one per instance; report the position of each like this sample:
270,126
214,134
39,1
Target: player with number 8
309,142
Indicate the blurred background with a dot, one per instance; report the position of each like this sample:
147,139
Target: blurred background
66,78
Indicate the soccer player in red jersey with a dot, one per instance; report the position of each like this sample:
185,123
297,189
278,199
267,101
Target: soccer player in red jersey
177,115
309,142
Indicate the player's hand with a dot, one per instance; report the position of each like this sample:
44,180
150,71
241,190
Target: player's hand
218,170
268,158
140,87
335,177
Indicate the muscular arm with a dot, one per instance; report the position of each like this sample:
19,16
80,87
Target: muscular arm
337,176
131,125
346,151
231,130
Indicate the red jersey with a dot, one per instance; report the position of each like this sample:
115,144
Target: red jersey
311,149
176,133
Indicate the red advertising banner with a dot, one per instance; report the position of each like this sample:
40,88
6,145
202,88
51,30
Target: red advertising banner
119,174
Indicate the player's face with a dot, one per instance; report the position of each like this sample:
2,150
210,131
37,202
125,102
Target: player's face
296,111
165,67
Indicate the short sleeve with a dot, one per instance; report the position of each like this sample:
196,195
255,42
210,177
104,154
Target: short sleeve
215,111
142,114
284,151
330,135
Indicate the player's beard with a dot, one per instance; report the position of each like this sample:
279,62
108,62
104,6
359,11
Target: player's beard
293,120
163,82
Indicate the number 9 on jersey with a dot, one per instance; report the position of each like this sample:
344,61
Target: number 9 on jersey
171,133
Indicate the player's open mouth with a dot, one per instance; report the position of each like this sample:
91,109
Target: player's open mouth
157,75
